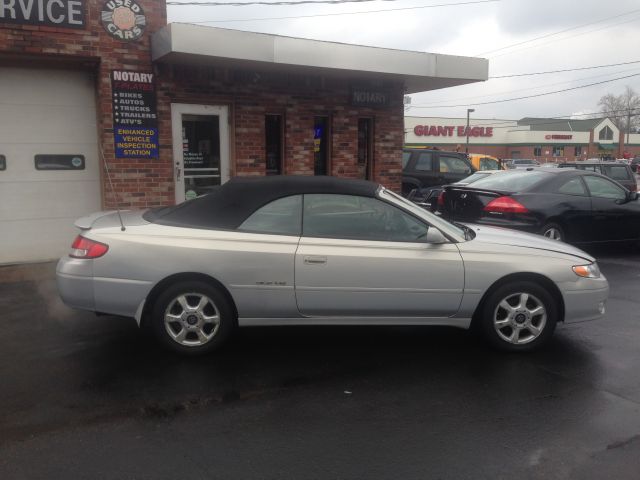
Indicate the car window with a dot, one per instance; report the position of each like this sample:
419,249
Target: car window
573,187
425,162
360,218
474,177
603,188
453,165
406,156
488,164
280,217
616,172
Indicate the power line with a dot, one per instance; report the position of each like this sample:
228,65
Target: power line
533,96
591,77
565,70
566,38
271,4
348,13
557,33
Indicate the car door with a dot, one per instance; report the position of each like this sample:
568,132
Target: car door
614,218
572,204
360,256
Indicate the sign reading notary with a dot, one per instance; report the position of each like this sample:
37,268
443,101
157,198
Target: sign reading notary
135,117
367,97
51,13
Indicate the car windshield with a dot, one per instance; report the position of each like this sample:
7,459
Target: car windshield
434,220
511,181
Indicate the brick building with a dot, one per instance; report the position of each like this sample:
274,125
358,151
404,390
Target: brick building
543,139
103,104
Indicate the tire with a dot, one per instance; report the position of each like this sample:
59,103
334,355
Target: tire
522,327
553,231
192,318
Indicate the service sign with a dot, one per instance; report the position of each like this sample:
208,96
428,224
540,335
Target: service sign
135,117
50,13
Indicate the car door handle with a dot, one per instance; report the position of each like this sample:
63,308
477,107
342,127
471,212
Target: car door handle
315,260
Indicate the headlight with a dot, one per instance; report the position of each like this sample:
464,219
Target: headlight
587,271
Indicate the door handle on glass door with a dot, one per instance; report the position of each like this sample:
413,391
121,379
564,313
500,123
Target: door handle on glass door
315,260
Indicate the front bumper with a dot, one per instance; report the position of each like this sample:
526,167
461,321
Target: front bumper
586,300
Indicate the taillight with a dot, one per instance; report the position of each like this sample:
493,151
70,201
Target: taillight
84,248
505,205
441,199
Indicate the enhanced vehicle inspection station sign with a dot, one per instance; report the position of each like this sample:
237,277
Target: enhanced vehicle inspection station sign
135,117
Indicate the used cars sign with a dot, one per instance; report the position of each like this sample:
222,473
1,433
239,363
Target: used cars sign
53,13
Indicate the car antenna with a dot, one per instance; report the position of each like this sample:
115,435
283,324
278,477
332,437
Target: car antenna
113,190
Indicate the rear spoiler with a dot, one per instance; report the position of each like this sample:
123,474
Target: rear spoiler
85,223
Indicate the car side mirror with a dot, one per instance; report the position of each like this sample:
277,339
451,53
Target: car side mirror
435,236
631,196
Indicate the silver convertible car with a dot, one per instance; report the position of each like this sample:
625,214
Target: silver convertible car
322,251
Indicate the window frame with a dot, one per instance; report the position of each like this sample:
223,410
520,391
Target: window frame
605,179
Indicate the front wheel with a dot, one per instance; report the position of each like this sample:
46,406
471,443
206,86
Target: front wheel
192,318
520,316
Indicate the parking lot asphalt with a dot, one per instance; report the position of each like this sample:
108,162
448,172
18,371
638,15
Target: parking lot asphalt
90,397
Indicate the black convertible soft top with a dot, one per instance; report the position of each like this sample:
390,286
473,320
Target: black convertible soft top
232,203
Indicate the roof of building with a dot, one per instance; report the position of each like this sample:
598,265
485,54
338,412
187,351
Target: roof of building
232,203
560,124
419,71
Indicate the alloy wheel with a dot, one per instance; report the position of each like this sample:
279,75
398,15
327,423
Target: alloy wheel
519,318
192,319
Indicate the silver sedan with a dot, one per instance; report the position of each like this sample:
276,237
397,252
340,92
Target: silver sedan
322,251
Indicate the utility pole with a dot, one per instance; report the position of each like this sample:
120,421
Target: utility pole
469,110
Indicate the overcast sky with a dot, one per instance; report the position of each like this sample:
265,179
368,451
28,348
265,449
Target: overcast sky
475,30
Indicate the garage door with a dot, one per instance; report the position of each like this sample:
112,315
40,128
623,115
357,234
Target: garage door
49,172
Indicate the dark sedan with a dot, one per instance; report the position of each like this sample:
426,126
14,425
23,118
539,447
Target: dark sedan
568,205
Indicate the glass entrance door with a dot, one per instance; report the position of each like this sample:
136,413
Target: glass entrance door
200,146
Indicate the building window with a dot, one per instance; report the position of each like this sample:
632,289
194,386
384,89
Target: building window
606,134
320,146
365,148
577,151
558,151
537,151
273,144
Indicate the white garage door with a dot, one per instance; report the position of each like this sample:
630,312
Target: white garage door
49,173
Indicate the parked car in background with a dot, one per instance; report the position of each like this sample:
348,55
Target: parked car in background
620,172
564,204
481,161
429,168
523,163
322,250
430,197
634,164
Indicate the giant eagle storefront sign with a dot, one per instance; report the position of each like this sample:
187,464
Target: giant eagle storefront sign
52,13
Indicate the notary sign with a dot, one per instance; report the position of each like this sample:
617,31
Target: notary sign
366,97
52,13
135,118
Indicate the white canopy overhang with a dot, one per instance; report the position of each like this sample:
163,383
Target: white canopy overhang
182,43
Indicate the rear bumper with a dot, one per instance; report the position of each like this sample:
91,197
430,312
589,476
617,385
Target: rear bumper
74,278
79,288
588,302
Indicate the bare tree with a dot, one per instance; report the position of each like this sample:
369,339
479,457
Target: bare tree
618,107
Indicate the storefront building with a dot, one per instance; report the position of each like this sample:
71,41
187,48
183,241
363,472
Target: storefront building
102,104
543,139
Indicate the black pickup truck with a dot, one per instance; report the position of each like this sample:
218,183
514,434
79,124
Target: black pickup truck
429,168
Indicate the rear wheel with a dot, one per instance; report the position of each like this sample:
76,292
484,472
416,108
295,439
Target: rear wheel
520,316
553,231
192,318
